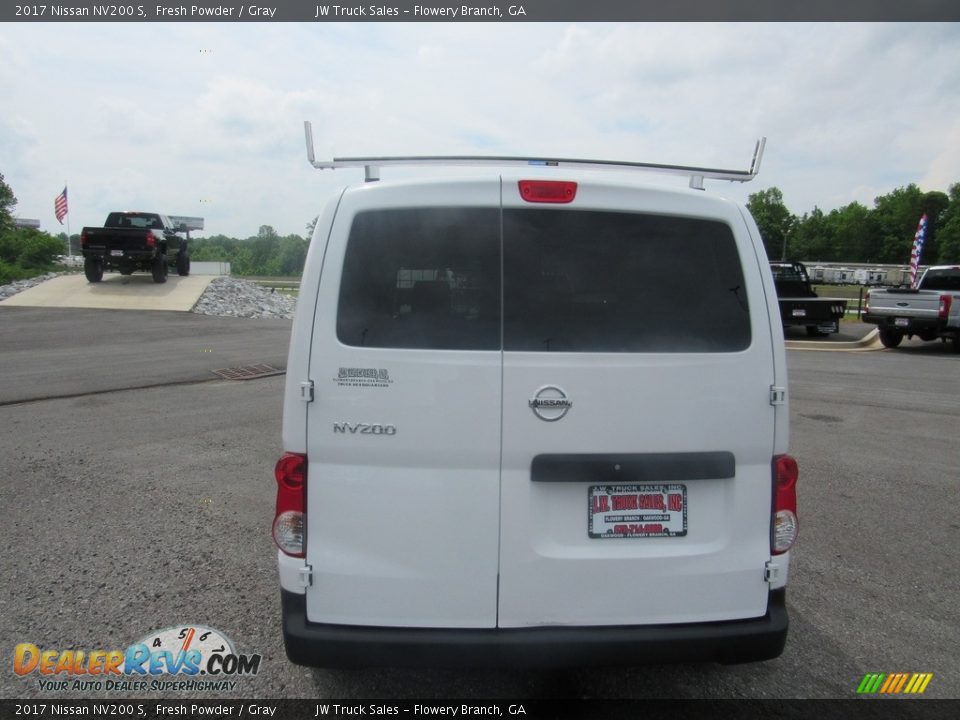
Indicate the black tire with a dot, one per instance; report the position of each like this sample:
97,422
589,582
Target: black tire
183,264
955,344
159,269
93,269
890,338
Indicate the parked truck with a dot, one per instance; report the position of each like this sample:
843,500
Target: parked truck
800,305
930,311
130,241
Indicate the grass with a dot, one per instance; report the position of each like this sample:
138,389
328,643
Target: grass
848,292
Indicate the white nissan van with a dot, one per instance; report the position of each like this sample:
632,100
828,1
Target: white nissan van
534,418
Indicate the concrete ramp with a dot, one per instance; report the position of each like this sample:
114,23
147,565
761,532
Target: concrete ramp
115,292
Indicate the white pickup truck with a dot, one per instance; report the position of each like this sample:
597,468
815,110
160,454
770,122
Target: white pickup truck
930,311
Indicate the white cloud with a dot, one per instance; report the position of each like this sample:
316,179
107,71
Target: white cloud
211,124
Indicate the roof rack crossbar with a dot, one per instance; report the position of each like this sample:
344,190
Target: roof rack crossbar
696,174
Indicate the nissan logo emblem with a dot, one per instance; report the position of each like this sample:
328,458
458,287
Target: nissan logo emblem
550,403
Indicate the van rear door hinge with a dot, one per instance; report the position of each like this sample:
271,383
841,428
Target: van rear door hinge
306,576
778,395
306,391
771,572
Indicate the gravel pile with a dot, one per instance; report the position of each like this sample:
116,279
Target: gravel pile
21,285
231,297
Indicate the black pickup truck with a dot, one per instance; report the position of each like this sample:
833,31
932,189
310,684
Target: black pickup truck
131,241
800,305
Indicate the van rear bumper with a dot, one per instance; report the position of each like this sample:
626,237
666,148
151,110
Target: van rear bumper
322,645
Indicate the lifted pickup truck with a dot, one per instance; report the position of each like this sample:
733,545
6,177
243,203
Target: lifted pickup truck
800,305
930,311
131,241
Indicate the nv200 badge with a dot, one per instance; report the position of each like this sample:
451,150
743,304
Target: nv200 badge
364,428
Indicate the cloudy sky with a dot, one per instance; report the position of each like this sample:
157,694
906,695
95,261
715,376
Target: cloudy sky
206,119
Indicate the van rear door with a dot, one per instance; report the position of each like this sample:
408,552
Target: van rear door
404,434
637,424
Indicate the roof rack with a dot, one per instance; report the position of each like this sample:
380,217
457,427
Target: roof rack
372,165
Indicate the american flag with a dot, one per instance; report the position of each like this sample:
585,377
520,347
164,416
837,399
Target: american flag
60,206
918,239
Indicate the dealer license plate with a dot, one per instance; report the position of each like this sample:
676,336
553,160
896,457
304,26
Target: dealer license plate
116,253
637,511
901,322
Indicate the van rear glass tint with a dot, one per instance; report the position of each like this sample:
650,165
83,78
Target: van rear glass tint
589,281
422,278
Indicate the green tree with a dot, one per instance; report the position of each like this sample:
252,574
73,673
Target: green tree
291,255
209,253
7,202
896,215
38,250
26,252
217,248
854,237
949,233
241,262
263,252
774,220
812,238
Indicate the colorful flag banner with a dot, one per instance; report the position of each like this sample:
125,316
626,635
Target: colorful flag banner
918,239
60,205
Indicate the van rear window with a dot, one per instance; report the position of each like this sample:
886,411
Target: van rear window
577,281
573,281
422,278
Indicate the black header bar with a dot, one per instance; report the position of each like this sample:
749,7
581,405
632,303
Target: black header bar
488,11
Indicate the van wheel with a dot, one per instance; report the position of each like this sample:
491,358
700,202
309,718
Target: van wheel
890,338
159,269
93,269
955,344
183,264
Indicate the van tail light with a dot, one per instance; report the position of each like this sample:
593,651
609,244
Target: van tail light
548,191
785,523
83,239
290,520
151,240
945,302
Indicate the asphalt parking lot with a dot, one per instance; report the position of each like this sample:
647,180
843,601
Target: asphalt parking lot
138,495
